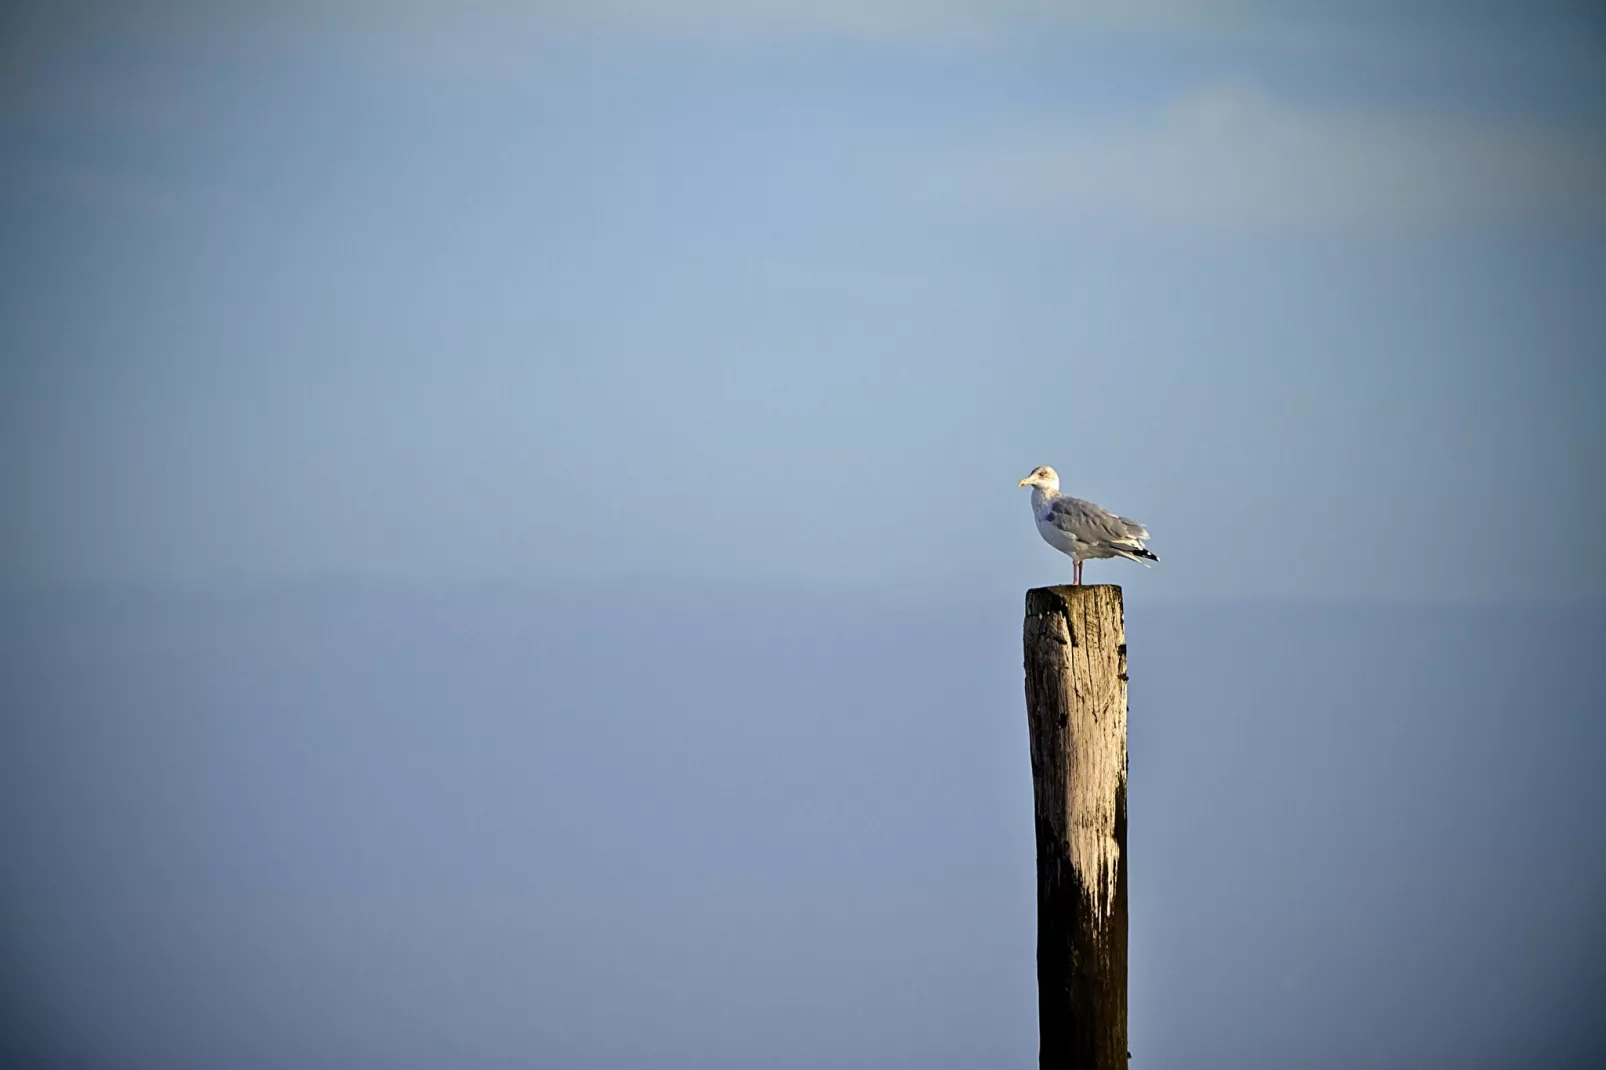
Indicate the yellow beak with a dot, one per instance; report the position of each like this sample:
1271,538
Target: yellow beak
1022,483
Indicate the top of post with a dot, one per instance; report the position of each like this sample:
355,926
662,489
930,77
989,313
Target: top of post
1059,598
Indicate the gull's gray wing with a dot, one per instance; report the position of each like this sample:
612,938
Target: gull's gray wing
1086,522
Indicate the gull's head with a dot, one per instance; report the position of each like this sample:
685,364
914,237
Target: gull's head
1042,476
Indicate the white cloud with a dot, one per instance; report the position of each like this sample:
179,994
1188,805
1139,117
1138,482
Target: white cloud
1231,157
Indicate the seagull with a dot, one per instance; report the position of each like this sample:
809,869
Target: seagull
1082,529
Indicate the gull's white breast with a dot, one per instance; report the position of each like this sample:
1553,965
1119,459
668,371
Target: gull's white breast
1052,534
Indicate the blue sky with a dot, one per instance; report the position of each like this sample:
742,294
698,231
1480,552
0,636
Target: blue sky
785,295
442,393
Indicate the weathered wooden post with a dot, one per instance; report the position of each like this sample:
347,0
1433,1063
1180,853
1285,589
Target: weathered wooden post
1075,641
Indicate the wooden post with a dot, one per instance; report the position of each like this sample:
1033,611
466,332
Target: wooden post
1075,641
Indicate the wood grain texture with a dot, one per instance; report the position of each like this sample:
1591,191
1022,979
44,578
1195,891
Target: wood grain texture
1075,645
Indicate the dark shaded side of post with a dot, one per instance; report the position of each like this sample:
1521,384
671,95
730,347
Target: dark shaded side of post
1075,641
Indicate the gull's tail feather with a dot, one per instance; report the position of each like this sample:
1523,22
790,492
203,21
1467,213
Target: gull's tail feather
1139,554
